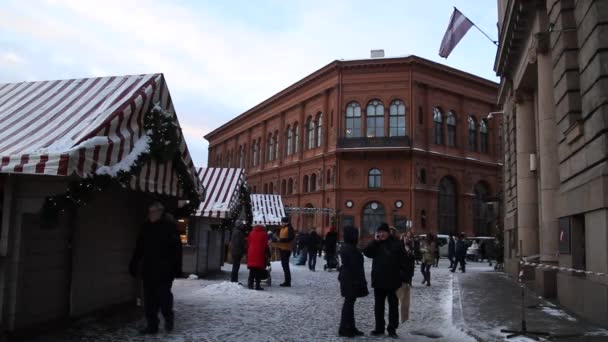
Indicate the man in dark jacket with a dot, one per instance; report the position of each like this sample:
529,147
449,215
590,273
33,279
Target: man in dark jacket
285,245
389,271
451,250
158,249
352,282
330,242
237,249
461,253
314,241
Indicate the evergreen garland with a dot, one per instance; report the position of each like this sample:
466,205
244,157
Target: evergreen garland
162,129
244,202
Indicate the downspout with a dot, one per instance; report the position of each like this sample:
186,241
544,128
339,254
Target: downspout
412,163
337,175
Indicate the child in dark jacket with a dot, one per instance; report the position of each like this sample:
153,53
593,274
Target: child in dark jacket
352,282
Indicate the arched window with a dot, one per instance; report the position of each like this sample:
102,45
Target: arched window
270,145
353,120
375,119
290,186
472,134
305,184
283,187
480,224
310,130
483,136
374,179
451,123
229,160
277,154
328,176
242,156
397,119
265,188
319,129
313,182
438,120
296,138
289,141
271,188
447,207
254,154
373,215
423,176
259,148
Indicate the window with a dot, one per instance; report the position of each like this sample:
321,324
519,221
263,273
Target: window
271,188
290,186
270,144
289,141
276,155
283,187
472,134
242,156
375,119
373,216
319,129
420,115
305,183
265,188
423,176
447,220
329,176
254,153
374,179
259,160
310,137
480,217
296,138
483,136
451,123
397,119
353,120
438,119
313,182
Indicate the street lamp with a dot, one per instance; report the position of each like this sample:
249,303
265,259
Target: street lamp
491,114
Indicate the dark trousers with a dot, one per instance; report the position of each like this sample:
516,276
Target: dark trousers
255,275
312,259
158,296
347,321
236,265
452,260
285,263
380,296
425,269
462,262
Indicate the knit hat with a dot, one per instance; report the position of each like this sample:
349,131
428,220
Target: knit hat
384,228
285,219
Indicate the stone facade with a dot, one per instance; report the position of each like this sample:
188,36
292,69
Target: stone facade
552,62
331,167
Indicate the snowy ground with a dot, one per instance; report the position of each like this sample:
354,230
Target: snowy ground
215,310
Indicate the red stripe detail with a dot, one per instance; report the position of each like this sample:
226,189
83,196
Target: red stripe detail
140,118
63,165
26,94
164,181
81,158
121,147
42,163
24,160
156,174
96,152
109,153
147,178
5,161
130,122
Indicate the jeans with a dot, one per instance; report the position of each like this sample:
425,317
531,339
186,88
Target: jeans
236,264
285,263
425,269
347,321
312,260
380,296
158,296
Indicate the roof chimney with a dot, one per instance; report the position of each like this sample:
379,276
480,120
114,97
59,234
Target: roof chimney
377,53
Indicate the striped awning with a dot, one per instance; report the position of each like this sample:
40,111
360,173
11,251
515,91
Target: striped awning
267,209
222,188
85,127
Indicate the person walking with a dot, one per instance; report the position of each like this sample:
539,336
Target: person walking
331,241
451,250
237,249
285,245
389,271
302,243
461,253
158,248
352,280
428,258
314,241
258,252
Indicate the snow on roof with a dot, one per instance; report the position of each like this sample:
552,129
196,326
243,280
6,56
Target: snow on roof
222,186
267,209
84,127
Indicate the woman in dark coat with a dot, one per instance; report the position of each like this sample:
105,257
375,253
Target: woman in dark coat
352,282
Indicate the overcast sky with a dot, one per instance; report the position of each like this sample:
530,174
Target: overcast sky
221,58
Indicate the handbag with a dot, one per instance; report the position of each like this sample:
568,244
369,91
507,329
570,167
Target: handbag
404,293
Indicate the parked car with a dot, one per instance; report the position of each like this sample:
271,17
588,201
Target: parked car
473,253
443,243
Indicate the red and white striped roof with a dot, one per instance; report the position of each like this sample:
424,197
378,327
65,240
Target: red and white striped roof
267,209
222,187
76,127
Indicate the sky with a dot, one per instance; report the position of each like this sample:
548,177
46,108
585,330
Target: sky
221,58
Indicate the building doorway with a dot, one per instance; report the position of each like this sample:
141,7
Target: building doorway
308,218
480,210
373,215
447,221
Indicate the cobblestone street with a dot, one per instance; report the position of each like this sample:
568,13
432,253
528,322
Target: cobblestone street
213,310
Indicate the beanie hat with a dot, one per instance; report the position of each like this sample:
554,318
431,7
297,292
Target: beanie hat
285,219
384,228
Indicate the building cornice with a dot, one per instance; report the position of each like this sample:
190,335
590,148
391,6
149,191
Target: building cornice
512,34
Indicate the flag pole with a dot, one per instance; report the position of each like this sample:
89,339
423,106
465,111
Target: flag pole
477,27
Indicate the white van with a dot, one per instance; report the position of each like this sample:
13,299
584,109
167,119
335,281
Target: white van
441,239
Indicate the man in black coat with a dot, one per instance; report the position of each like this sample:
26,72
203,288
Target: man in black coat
314,242
451,250
390,269
461,254
237,249
330,244
352,282
158,249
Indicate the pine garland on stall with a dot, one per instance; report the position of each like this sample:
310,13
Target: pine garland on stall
162,135
244,203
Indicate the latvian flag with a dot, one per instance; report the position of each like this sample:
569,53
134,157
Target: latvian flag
458,27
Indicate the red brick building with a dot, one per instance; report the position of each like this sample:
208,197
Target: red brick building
381,139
